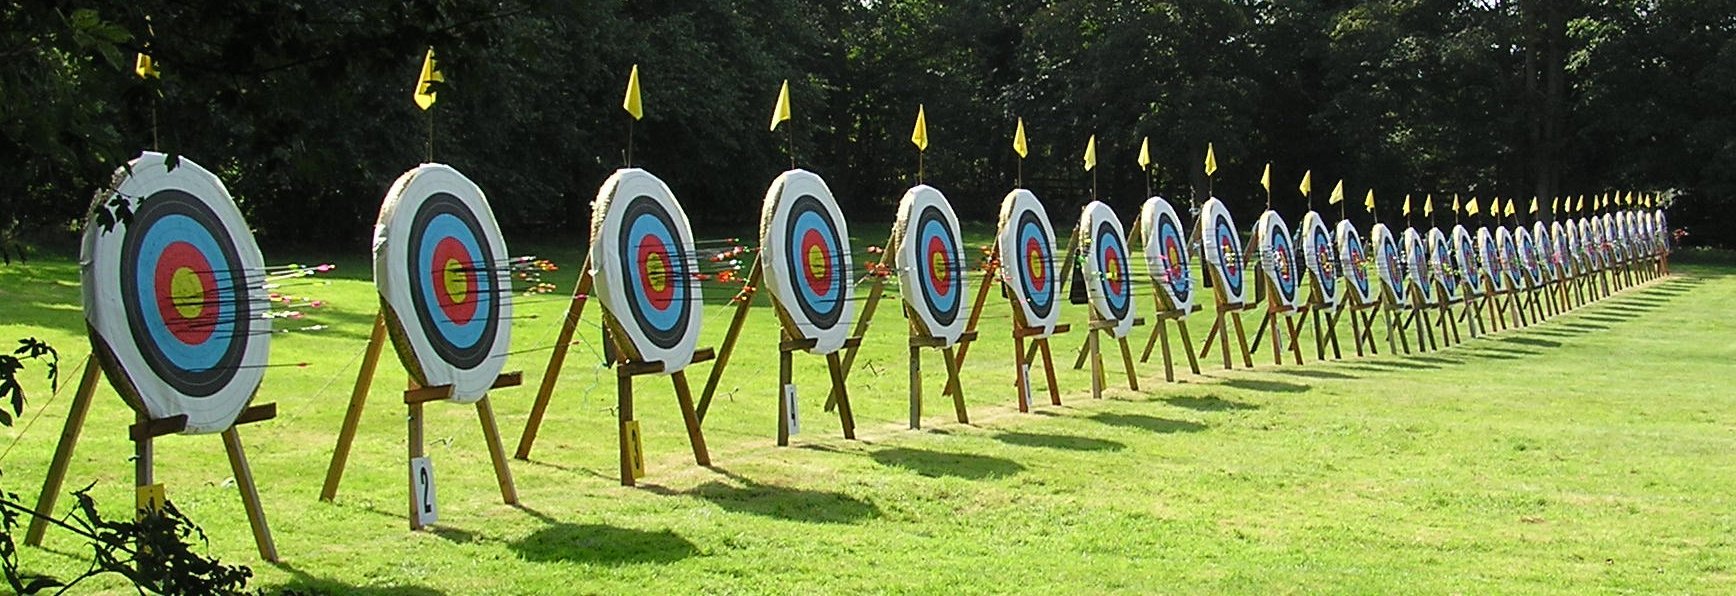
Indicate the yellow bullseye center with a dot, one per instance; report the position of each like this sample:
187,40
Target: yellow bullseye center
816,262
455,280
189,293
656,272
937,264
1035,262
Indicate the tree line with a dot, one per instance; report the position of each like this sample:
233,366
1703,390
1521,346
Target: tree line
305,108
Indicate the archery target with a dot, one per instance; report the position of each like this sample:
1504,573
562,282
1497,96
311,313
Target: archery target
175,297
643,262
1593,239
1388,263
1166,254
805,253
1277,256
1353,261
1509,258
1527,257
1465,260
1560,250
1441,264
931,263
440,265
1489,259
1026,244
1583,251
1221,245
1108,274
1661,226
1318,255
1545,255
1416,256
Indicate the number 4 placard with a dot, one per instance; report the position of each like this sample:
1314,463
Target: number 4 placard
422,490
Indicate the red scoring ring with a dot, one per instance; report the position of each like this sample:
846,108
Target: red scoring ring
1040,272
1112,266
652,252
189,330
819,281
458,309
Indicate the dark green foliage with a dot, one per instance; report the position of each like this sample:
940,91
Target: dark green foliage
304,108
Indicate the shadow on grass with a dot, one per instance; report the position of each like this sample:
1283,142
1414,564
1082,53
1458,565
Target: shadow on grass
1266,385
1532,341
1067,442
939,463
602,545
1151,423
302,583
1603,318
1498,353
1397,364
1585,326
748,496
1208,404
1314,374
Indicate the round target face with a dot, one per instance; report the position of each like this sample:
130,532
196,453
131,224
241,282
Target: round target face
1318,255
1509,258
175,297
1416,274
805,253
1388,263
1662,228
1525,250
441,268
1544,257
1222,247
1440,264
643,264
1353,261
931,262
1560,251
1166,254
1026,244
1465,260
1489,259
1108,275
1278,257
1590,236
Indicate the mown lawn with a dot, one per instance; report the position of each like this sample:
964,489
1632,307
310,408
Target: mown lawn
1590,452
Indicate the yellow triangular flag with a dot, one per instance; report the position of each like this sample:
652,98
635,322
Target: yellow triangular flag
919,135
1307,185
782,111
1471,207
1533,208
1456,205
424,84
1019,146
1211,160
1510,210
1630,200
1266,178
1091,153
146,67
631,103
1368,202
1580,208
1407,199
1555,205
1428,205
1145,153
1337,194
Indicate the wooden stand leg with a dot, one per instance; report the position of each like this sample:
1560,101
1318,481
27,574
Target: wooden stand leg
724,350
1319,337
953,381
1049,373
1162,331
1332,318
557,359
1212,335
1295,327
1242,340
874,291
413,440
784,380
1356,332
1127,361
835,365
353,416
915,387
1271,319
496,451
1096,365
1021,374
69,433
623,415
1084,352
249,495
695,435
1187,345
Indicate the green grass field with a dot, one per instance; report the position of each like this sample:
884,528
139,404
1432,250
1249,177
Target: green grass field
1588,453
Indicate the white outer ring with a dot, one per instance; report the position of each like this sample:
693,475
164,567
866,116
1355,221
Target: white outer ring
775,214
909,255
608,265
